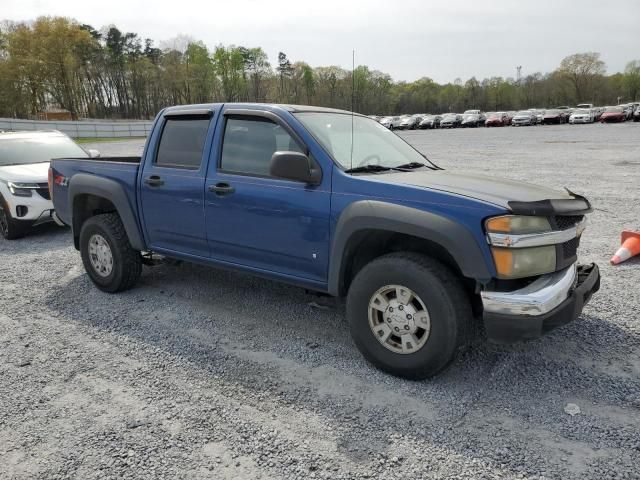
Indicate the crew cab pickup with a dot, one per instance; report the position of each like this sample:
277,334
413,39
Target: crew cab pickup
334,202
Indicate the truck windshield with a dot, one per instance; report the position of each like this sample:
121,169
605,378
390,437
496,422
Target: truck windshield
373,144
21,149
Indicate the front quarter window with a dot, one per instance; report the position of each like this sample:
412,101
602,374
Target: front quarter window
373,144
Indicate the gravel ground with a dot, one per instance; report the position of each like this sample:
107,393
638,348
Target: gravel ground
199,373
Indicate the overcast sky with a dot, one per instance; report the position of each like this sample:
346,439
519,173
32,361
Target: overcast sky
408,39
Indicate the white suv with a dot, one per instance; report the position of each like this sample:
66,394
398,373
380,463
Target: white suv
24,168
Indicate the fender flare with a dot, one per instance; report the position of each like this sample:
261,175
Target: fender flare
376,215
84,184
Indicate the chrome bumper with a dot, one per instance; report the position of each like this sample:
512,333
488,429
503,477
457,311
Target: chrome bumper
537,298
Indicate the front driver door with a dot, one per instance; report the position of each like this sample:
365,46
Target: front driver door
256,220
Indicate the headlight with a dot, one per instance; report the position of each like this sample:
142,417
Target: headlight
518,224
521,262
21,189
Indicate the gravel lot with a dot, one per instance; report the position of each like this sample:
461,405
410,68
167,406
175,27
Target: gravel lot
199,373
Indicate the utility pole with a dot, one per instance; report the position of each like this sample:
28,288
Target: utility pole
518,74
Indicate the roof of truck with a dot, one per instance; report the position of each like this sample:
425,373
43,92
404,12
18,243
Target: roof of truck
287,107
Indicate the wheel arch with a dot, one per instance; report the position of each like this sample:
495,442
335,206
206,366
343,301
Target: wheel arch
90,195
368,229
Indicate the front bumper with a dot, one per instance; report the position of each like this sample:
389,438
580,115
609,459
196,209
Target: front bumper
552,300
38,209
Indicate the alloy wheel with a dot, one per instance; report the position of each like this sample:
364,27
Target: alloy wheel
399,319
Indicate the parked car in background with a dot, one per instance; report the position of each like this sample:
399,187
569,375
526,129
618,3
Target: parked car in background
524,118
24,166
581,115
613,114
627,108
430,121
555,116
471,120
410,123
497,119
391,122
585,106
636,114
451,120
480,114
539,112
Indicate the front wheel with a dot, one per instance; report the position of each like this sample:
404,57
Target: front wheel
408,314
108,257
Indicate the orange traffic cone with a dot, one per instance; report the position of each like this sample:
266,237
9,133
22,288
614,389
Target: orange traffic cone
630,247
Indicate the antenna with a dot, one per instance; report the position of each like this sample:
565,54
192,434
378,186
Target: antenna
353,88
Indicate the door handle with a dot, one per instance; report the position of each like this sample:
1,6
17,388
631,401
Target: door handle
154,181
222,189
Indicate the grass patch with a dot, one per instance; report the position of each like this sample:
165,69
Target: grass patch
105,139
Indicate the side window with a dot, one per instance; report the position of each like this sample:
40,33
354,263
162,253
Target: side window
182,143
250,142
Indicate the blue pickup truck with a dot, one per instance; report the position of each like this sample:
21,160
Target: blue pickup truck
334,202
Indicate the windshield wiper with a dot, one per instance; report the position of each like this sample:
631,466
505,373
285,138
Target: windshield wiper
410,166
367,168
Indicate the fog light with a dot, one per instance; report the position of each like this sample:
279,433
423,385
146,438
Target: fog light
21,211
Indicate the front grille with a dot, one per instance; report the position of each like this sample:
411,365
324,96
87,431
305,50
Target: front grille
570,248
562,222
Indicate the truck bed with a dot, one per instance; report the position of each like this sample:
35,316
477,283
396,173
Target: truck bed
105,159
122,170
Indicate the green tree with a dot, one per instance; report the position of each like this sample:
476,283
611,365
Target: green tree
632,79
582,69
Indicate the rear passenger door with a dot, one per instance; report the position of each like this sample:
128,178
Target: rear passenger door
172,184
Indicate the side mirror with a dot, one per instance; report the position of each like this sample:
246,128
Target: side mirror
93,153
295,166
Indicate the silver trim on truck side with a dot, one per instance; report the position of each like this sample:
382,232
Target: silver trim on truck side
537,298
536,239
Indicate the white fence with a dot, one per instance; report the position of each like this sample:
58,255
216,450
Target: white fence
82,129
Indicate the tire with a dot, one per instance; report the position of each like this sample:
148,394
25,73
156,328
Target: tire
107,231
10,229
449,317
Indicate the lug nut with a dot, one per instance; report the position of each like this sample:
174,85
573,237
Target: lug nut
396,329
406,327
409,317
400,307
391,309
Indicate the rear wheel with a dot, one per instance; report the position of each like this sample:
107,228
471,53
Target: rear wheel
10,228
408,314
112,264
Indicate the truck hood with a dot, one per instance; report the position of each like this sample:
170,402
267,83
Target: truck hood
498,191
28,173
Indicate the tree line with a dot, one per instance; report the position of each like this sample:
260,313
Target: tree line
107,73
